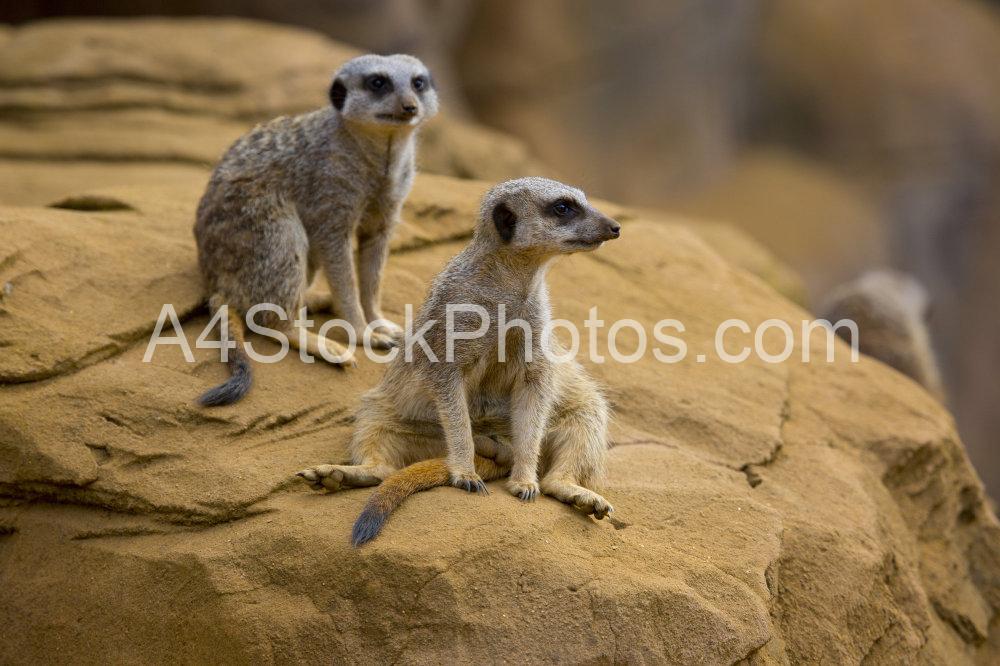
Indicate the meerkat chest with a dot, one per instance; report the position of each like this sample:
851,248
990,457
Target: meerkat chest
396,167
387,189
502,362
491,382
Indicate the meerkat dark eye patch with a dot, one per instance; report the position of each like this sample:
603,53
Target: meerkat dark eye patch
420,83
380,84
505,220
565,209
338,94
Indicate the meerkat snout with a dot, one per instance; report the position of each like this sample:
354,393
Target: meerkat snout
384,90
612,229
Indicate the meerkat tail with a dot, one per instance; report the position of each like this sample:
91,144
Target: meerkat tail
241,376
423,475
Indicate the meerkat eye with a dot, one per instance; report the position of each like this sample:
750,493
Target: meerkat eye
563,208
419,82
376,82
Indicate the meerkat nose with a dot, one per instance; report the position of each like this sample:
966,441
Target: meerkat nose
410,109
614,229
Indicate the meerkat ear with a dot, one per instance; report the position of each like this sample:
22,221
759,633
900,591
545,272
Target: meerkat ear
338,94
505,220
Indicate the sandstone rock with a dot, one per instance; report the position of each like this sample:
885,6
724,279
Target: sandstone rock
126,95
905,101
742,250
809,216
770,513
42,182
193,66
774,513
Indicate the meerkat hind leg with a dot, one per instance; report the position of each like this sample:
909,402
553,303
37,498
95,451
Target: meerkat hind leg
577,450
383,448
580,498
340,477
494,449
317,297
317,344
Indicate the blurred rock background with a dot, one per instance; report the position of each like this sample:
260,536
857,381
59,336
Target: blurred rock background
844,135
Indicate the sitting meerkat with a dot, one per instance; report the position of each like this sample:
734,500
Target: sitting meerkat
296,194
890,310
516,415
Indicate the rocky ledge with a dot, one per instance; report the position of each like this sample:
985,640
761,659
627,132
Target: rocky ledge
768,513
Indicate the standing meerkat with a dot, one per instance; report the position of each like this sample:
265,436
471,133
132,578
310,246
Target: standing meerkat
516,415
299,194
890,310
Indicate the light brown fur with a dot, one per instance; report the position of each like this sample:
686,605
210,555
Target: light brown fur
543,415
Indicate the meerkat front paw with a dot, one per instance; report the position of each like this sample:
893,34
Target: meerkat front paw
380,340
339,355
388,328
323,477
526,491
469,482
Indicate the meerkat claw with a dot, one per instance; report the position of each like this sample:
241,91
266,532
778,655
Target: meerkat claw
526,492
470,484
324,477
309,476
598,508
344,360
383,342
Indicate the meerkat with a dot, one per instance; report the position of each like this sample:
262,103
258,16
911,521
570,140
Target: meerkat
299,195
890,309
484,415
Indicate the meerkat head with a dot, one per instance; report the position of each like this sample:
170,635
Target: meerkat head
890,310
391,92
543,217
891,297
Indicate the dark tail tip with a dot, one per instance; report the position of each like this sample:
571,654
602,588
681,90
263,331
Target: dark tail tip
368,525
232,389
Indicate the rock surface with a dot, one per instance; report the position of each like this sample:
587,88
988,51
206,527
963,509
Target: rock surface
123,99
778,513
771,513
837,232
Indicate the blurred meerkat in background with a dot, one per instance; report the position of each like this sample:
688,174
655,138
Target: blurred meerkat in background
890,309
